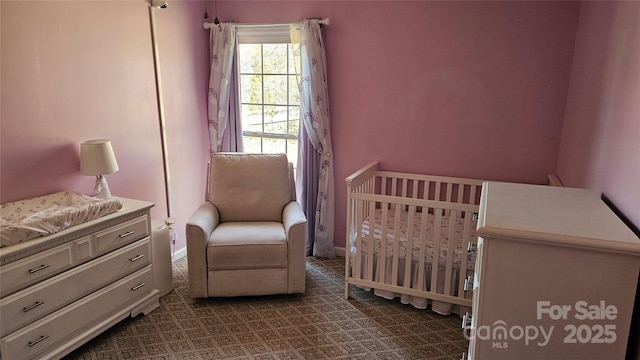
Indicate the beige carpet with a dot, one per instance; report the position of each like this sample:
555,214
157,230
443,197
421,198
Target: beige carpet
319,324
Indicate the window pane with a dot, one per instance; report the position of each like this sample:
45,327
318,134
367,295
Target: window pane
275,119
275,89
292,60
269,98
251,89
294,90
250,58
251,118
274,146
252,144
275,58
294,120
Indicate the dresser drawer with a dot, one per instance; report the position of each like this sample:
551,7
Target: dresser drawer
49,332
28,271
122,234
39,300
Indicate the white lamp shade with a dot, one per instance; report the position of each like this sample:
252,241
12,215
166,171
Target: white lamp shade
97,157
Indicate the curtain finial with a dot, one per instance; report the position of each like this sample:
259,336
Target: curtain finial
215,9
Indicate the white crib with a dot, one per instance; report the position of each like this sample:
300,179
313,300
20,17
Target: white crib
421,220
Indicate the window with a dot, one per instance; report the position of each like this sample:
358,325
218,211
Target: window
269,94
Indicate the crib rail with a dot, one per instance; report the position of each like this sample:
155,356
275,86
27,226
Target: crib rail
437,217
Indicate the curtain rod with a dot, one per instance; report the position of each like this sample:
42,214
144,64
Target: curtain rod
206,25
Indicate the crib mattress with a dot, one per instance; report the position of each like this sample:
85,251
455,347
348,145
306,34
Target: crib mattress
460,244
44,215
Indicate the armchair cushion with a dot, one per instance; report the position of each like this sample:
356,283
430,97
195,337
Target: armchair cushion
246,245
256,195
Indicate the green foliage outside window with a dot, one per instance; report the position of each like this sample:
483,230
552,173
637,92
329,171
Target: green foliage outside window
269,98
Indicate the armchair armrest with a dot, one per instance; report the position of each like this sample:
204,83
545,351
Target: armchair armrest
198,230
292,215
295,226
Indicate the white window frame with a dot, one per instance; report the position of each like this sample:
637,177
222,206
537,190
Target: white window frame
265,34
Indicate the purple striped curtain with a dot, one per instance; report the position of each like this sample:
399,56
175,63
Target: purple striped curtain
225,132
314,110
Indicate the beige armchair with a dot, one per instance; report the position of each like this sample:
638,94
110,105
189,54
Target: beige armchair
248,237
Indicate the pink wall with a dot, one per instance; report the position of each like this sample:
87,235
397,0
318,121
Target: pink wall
600,146
80,70
472,89
74,71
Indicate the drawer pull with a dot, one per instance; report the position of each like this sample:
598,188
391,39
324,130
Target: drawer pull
466,321
138,286
42,338
41,267
29,308
472,247
468,283
137,258
131,232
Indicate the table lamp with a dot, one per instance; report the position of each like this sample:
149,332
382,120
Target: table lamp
97,158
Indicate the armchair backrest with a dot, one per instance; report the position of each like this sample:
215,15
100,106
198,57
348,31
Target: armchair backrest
249,187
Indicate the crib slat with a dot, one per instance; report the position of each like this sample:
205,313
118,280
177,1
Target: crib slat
450,251
423,249
424,193
382,259
394,187
427,190
396,247
409,248
405,188
383,185
449,190
371,241
414,189
369,189
357,261
437,226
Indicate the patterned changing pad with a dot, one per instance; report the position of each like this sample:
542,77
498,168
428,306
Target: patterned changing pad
44,215
414,235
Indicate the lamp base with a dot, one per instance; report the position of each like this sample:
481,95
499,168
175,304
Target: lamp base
102,188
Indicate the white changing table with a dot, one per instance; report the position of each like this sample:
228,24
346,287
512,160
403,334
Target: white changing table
59,291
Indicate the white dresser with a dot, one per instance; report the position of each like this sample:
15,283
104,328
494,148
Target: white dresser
59,291
556,275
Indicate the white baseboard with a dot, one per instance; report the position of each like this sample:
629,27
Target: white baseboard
180,253
340,251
